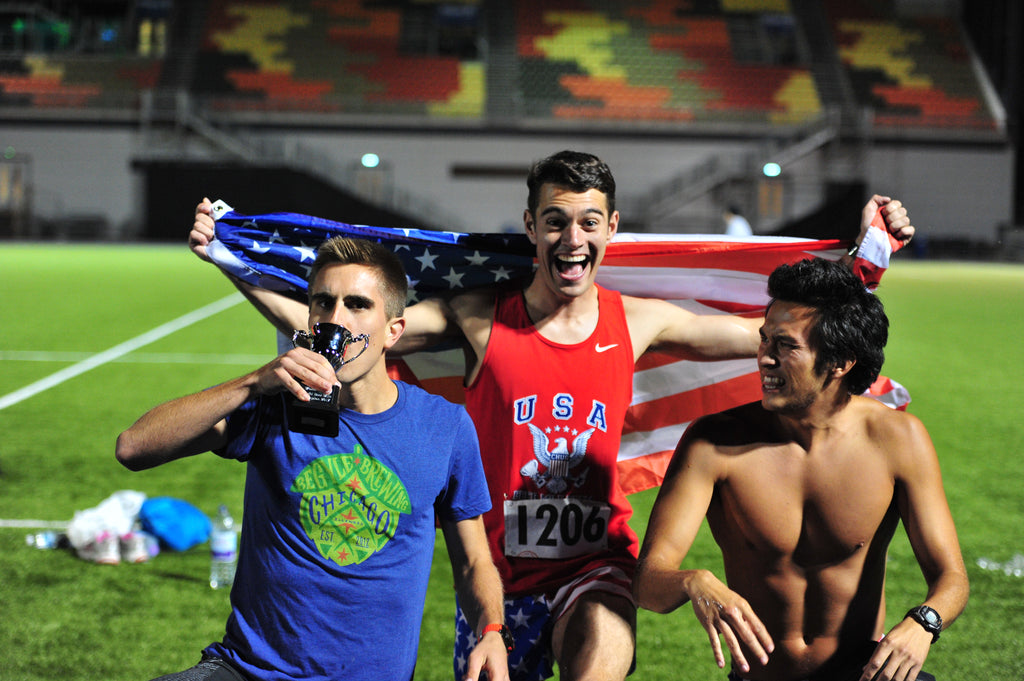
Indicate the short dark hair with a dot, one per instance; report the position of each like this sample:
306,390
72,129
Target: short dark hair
850,321
345,251
576,170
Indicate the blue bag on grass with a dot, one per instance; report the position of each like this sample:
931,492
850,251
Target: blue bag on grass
176,523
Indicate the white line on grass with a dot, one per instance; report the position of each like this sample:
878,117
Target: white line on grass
136,357
119,350
36,524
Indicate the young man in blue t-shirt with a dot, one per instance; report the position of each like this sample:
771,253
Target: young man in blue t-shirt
338,529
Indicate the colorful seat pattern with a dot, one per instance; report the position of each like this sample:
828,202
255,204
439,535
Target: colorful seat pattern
588,60
328,55
76,81
658,60
911,71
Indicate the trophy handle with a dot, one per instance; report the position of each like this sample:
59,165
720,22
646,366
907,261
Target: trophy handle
355,339
302,339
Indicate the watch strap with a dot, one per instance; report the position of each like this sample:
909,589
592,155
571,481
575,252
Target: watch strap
928,618
506,635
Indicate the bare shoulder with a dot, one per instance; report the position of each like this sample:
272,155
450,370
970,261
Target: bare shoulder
473,313
730,432
886,423
711,442
737,427
644,309
647,318
475,304
901,435
458,317
450,310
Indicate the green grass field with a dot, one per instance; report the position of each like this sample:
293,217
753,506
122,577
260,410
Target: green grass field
955,343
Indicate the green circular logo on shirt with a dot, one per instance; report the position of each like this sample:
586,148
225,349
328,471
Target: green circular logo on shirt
351,504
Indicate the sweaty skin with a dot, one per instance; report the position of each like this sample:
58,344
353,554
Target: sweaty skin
571,231
812,569
802,492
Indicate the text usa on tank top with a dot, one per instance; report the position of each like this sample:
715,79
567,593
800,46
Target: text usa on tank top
549,418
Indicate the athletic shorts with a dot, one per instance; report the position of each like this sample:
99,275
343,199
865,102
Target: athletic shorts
531,620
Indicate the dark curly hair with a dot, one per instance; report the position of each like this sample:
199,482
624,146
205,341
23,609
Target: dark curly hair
850,324
576,170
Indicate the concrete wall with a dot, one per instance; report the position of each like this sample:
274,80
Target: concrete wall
952,191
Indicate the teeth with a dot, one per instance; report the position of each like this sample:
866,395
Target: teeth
572,258
771,382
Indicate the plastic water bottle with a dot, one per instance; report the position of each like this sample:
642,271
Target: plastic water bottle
43,540
223,550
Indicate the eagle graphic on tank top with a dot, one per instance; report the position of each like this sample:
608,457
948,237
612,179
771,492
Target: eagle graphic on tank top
560,463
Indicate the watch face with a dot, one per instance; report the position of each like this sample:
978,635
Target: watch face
927,618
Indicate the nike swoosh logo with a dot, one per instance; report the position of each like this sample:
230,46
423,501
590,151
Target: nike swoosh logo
604,348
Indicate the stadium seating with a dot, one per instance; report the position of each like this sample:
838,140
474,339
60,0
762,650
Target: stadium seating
652,61
710,62
59,81
910,71
324,55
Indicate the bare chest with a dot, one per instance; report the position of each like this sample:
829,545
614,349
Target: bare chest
811,511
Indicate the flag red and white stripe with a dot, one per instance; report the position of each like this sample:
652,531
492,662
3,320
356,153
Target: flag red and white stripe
709,274
874,251
705,274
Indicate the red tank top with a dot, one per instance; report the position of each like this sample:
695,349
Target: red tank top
549,418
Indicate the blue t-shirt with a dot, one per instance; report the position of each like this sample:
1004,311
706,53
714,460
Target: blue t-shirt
338,535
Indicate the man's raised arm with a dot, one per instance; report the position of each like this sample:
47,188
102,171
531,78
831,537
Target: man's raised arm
196,423
658,325
286,314
427,323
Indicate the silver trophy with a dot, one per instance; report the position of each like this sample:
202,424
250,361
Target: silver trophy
319,415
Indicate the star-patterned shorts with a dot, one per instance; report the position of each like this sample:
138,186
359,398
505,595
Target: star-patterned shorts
531,619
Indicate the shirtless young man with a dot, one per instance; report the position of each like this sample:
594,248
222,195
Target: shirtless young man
548,384
803,491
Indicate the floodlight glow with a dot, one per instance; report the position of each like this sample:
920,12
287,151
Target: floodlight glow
370,160
771,169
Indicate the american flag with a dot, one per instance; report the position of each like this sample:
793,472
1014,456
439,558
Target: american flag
708,274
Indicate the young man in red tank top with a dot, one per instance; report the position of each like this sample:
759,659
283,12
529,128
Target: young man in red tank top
558,527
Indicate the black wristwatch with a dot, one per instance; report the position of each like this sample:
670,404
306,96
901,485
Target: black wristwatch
927,618
506,635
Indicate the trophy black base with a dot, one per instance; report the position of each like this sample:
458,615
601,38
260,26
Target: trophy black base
319,416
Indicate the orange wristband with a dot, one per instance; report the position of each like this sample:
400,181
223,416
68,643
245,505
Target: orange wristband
506,635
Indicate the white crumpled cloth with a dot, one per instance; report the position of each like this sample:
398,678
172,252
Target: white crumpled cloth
116,514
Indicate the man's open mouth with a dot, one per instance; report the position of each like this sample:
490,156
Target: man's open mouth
571,266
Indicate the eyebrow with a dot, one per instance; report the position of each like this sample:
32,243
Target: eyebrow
321,296
775,334
788,338
350,299
559,211
363,301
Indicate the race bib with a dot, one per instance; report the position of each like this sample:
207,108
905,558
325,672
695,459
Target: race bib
555,528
